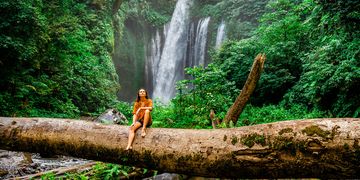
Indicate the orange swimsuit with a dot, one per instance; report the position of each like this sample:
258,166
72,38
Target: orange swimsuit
137,105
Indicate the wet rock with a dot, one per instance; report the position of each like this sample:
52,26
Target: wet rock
203,178
112,116
166,176
16,164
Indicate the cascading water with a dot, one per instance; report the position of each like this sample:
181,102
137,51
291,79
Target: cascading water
220,36
152,60
197,49
180,44
168,51
173,53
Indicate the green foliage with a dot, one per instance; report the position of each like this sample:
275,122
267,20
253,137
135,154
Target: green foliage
236,58
48,176
331,77
206,89
272,113
164,116
331,68
155,13
312,56
75,176
56,60
280,35
101,171
110,171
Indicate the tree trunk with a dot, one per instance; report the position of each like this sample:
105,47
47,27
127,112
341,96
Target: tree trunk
249,87
318,148
116,6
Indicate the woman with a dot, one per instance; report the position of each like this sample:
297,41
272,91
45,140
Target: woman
141,116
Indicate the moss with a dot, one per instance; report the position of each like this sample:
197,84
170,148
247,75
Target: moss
346,146
286,130
234,140
316,130
251,139
288,144
225,138
283,143
301,146
183,160
198,157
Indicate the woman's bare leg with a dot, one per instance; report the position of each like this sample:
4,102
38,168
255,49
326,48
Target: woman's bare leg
146,121
132,131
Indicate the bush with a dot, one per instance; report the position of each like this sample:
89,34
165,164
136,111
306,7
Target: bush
273,113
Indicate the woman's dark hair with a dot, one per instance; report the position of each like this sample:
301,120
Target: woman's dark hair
138,96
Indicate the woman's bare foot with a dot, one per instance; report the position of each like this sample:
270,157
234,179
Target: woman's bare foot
143,133
129,148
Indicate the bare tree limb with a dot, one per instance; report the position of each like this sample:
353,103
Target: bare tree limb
235,110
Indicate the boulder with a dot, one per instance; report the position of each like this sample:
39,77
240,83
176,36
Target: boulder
112,116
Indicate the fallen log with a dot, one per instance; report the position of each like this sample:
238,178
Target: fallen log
317,148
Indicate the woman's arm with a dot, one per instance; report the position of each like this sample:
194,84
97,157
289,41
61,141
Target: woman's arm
149,108
143,108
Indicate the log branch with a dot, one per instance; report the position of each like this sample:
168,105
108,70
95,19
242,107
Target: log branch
249,87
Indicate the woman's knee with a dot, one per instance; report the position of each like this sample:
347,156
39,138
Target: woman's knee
147,111
132,129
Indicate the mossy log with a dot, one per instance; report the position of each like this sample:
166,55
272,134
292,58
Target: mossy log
317,148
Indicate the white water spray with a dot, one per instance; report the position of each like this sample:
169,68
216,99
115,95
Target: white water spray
173,53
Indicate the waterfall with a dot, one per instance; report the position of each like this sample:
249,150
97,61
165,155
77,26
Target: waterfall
181,44
197,50
154,49
220,36
167,52
173,53
152,60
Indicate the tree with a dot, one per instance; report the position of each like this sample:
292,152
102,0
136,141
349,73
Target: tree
55,57
331,67
322,148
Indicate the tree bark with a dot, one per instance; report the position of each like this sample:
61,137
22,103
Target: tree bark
116,6
318,148
249,87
